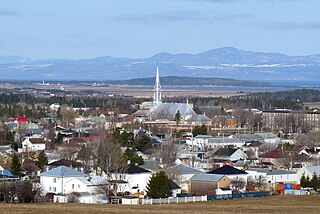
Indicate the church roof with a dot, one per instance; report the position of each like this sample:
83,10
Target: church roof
172,108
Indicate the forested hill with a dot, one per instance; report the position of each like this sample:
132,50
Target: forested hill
190,81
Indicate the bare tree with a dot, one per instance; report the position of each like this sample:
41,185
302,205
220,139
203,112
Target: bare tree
238,184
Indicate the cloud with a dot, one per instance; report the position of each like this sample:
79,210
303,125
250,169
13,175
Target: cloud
7,13
182,15
292,25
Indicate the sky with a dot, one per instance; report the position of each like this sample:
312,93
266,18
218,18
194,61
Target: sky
78,29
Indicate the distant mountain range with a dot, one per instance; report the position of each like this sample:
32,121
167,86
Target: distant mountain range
218,63
191,81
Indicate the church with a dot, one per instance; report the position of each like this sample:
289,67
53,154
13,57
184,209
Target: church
158,111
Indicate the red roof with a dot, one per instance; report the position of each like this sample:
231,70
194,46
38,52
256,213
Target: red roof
272,154
20,119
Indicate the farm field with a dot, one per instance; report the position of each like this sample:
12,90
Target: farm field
274,204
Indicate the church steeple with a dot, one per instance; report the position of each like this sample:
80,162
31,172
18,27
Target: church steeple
157,88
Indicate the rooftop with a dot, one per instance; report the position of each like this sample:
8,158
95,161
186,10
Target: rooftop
62,171
227,170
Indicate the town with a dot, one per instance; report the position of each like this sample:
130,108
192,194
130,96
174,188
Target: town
118,149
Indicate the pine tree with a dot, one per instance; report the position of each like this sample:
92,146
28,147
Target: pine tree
16,166
303,180
177,117
42,159
314,181
159,186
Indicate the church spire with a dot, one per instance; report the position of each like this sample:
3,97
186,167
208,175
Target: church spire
157,88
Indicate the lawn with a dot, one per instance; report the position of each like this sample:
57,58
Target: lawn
274,204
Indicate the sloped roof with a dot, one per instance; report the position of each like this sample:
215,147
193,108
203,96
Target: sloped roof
224,152
173,185
182,169
199,117
36,141
206,177
314,169
267,135
131,169
151,165
272,154
273,171
172,108
248,137
92,180
227,170
65,162
62,171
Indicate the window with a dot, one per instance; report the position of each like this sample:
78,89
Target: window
79,186
72,186
49,188
54,189
54,180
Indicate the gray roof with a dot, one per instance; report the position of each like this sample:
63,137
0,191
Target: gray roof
267,135
206,177
314,169
248,137
273,171
151,165
217,140
172,108
62,171
199,117
182,169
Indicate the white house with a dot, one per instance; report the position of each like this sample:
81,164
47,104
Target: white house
33,144
133,179
273,176
65,180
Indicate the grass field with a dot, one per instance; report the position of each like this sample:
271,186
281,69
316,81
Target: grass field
274,204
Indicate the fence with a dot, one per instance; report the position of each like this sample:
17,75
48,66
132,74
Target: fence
238,195
173,200
189,199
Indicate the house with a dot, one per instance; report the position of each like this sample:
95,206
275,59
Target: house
203,142
181,174
251,148
54,180
207,184
133,179
272,176
229,154
33,144
175,189
234,174
230,172
308,171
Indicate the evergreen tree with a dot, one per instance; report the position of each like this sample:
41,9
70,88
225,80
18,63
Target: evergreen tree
143,143
303,181
314,181
42,159
200,130
158,186
130,154
59,139
16,166
177,117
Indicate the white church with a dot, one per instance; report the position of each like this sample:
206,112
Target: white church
158,111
